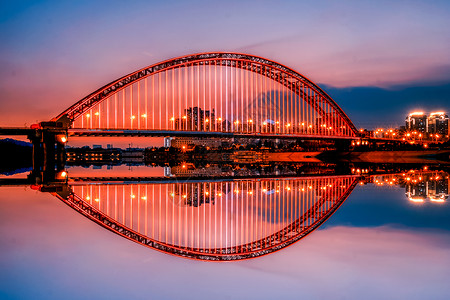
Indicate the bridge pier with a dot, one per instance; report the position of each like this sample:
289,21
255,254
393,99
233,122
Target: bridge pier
48,152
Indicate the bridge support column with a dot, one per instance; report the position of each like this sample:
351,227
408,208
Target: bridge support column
48,154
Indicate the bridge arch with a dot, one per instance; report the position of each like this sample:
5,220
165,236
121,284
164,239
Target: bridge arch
213,92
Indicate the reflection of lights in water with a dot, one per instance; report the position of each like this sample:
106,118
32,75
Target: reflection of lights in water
417,200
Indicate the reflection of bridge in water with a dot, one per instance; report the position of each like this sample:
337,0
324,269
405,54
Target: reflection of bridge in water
215,220
224,218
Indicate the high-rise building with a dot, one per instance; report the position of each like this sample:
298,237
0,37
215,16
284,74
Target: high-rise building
417,121
438,123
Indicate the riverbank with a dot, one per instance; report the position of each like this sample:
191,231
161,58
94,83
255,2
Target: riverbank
400,157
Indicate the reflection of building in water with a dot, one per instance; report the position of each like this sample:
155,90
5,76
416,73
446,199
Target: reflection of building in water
417,192
198,193
420,185
195,194
189,170
431,185
187,143
97,155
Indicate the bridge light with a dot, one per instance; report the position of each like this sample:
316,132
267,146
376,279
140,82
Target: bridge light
144,115
172,119
96,113
408,134
133,196
88,115
303,124
96,200
277,122
184,147
184,117
61,138
184,196
172,194
144,197
251,121
310,126
62,175
264,123
219,194
133,117
288,125
88,198
206,120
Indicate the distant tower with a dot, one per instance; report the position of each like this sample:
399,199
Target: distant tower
438,123
417,121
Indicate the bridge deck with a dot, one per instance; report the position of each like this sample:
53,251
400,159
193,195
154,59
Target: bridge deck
173,133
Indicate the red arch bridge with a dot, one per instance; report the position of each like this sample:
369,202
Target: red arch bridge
214,220
210,94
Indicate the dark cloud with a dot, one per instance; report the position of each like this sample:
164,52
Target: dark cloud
372,107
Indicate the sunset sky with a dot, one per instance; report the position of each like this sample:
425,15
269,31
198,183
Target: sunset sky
378,60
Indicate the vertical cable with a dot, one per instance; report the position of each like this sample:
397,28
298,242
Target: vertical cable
146,105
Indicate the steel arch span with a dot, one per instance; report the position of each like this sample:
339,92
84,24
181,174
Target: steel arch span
217,220
213,93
